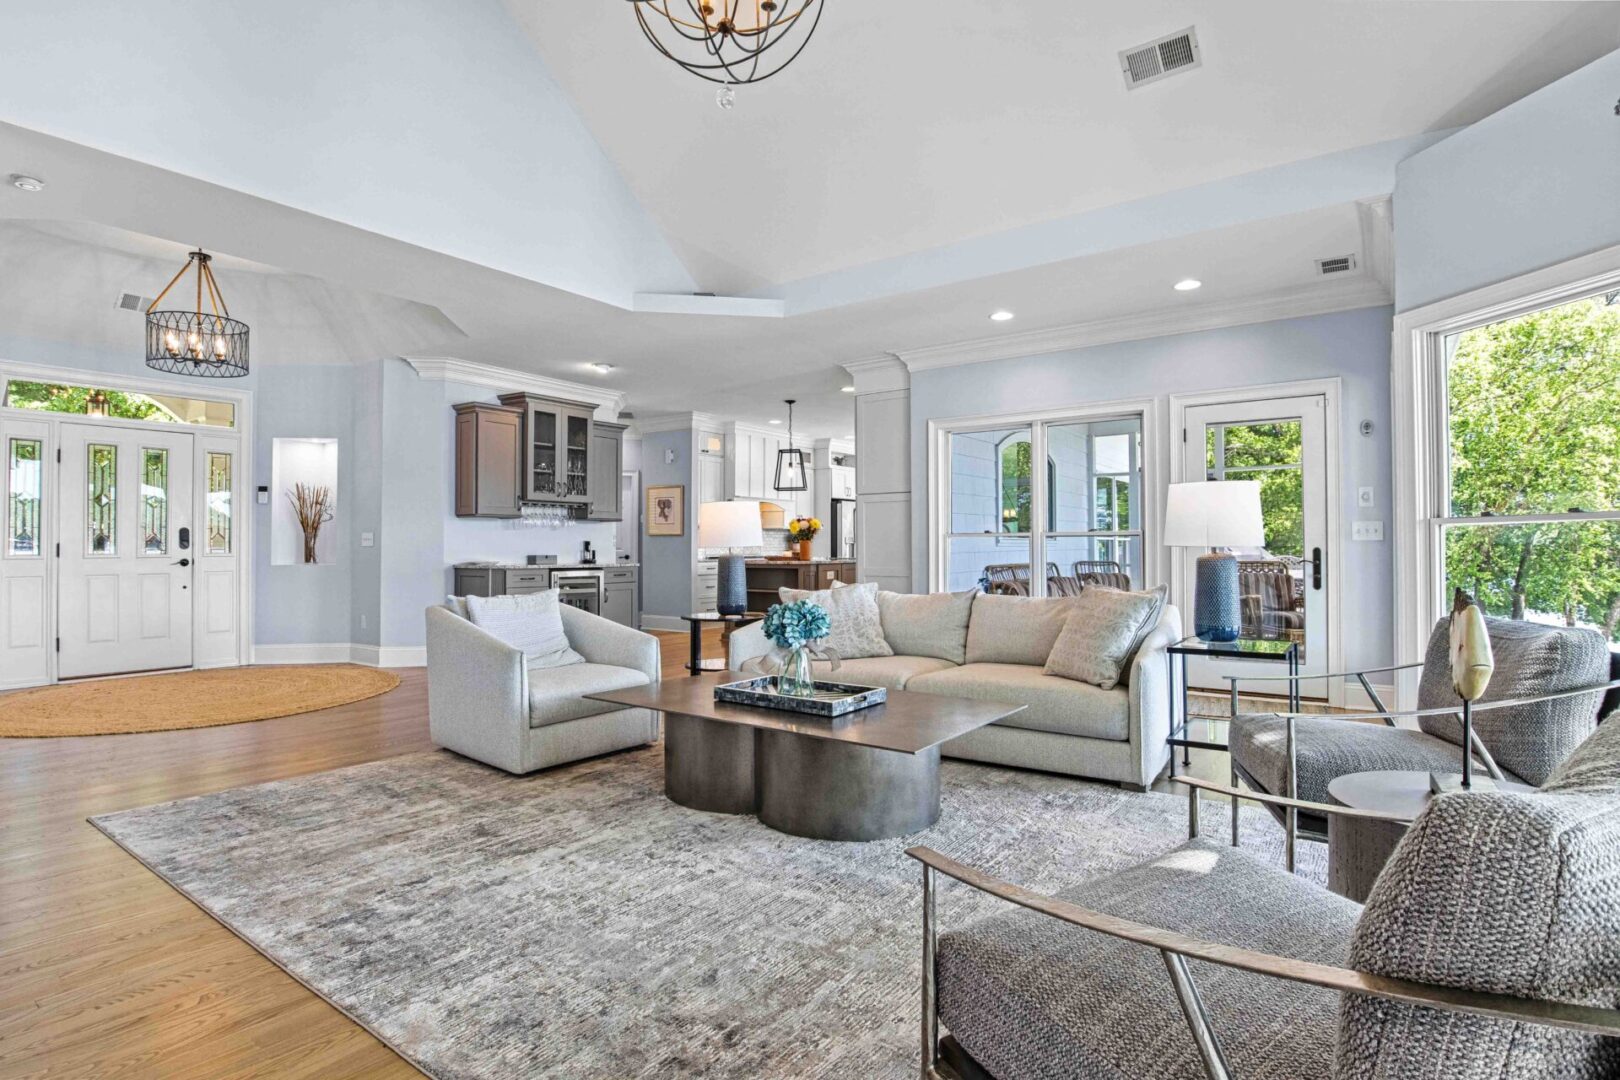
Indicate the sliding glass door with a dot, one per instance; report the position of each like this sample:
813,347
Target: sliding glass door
1036,509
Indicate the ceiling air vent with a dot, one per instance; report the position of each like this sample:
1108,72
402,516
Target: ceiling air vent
130,302
1340,264
1161,59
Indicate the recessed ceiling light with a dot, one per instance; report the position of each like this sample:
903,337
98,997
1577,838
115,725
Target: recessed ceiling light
603,368
27,183
1000,316
1188,284
847,389
774,421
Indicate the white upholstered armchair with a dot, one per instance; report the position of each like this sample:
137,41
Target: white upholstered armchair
486,703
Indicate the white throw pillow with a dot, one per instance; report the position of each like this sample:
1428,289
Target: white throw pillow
531,623
1102,634
857,628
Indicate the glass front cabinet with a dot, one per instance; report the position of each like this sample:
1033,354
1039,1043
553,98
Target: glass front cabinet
556,448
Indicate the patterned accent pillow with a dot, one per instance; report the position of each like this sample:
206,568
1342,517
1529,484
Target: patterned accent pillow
531,623
857,627
1101,637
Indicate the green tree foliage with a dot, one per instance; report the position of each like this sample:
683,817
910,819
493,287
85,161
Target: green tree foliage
1253,452
1016,490
53,397
1535,429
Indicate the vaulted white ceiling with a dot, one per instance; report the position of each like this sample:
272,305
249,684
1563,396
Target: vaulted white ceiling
910,125
526,171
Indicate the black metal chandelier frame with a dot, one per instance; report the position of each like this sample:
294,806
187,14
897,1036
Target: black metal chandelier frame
206,344
731,53
792,464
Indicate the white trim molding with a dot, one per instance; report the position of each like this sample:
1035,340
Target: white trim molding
708,304
1324,298
343,652
672,623
1417,387
609,403
679,421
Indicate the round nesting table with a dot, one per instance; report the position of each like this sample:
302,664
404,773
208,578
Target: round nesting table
1358,848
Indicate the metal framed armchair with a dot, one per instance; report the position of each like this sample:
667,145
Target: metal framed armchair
1101,572
1536,711
1485,952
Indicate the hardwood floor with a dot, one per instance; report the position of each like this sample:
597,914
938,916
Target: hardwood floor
105,971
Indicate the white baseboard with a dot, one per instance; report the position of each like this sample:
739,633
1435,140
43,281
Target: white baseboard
663,622
332,652
342,652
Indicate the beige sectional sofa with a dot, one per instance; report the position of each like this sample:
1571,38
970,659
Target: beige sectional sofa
993,648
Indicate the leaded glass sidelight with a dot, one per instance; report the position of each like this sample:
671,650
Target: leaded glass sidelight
218,541
101,499
24,486
154,501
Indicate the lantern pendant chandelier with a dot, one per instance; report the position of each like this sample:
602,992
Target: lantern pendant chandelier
210,344
792,464
730,42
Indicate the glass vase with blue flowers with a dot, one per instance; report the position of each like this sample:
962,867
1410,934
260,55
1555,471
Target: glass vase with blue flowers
796,629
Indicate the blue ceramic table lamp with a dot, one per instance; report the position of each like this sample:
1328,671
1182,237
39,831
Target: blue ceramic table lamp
723,527
1215,514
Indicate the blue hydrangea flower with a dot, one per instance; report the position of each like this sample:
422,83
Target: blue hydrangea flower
800,623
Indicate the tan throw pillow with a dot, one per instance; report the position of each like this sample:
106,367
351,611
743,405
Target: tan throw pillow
857,629
927,624
1015,629
1103,633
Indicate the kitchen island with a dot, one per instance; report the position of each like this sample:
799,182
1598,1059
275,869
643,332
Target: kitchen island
766,576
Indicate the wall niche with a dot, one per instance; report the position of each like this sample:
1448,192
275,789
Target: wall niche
312,464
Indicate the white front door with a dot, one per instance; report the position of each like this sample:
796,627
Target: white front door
128,544
1282,443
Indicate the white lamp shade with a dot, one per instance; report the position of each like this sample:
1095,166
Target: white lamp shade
730,525
1214,513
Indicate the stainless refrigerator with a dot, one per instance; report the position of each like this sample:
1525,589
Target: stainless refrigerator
843,528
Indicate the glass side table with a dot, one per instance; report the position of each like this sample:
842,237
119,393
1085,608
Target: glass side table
695,623
1210,732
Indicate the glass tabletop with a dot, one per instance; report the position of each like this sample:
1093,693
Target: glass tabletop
716,617
1201,732
1262,648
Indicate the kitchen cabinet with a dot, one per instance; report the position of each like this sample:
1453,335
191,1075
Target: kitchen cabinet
605,465
501,580
556,449
766,576
619,604
712,479
706,585
842,480
488,450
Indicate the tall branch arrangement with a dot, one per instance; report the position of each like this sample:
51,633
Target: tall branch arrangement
314,508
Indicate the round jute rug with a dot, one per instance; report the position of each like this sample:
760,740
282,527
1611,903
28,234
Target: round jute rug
187,699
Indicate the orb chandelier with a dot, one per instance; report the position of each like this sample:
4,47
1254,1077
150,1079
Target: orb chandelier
208,344
729,41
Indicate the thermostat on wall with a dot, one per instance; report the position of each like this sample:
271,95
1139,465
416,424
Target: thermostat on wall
264,494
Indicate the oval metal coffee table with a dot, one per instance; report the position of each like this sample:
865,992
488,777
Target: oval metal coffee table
870,775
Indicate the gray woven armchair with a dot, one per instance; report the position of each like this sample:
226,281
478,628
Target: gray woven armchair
1299,755
1486,951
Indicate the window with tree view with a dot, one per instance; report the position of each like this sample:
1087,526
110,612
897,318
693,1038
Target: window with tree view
1534,483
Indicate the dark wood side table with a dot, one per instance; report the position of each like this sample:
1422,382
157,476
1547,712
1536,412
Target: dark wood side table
695,622
1210,732
1358,848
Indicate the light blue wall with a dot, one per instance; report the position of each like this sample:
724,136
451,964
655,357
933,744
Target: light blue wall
1532,185
435,123
1352,346
666,575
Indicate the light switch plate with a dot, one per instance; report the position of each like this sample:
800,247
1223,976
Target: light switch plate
1367,530
1364,496
367,539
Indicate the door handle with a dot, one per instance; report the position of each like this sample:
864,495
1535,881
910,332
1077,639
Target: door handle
1316,568
182,562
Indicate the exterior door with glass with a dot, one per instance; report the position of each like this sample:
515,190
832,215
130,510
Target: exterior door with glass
127,548
1281,443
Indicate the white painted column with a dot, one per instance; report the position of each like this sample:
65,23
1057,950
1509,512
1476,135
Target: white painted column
883,471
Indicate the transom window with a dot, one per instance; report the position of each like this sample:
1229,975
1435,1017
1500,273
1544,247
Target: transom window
1531,523
78,400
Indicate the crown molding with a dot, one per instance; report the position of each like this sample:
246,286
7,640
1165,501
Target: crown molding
697,304
1323,299
879,374
507,380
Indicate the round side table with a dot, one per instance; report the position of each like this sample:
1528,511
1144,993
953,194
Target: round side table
1358,848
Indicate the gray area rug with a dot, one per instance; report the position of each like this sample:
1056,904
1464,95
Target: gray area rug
575,923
